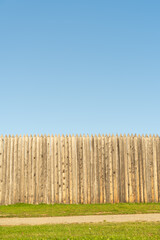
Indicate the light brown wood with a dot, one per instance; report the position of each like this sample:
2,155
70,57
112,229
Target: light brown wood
34,155
63,170
137,183
107,184
130,192
144,146
158,164
48,171
70,169
126,173
110,169
117,196
155,170
30,171
37,170
15,170
42,170
100,193
148,168
92,169
78,169
121,170
85,198
56,171
1,168
11,187
140,167
4,189
103,168
88,170
96,169
8,171
67,168
132,147
74,170
52,170
26,169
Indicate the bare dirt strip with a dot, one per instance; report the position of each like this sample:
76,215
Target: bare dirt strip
80,219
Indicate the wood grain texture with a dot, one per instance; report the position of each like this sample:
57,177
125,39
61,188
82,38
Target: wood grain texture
75,169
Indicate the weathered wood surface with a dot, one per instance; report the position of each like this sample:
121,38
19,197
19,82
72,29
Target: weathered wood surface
79,169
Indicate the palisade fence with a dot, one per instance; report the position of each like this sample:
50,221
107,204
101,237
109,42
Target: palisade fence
79,169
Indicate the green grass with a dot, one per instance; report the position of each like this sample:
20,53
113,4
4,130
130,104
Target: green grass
44,210
84,231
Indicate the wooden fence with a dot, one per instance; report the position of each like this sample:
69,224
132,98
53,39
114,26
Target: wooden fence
79,169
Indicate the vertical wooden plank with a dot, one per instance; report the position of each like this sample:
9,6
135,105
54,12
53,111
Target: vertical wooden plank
155,170
74,169
15,170
8,171
19,164
107,184
11,187
59,169
42,170
122,167
1,168
133,168
130,197
52,171
78,168
117,198
110,170
92,169
37,169
88,170
137,170
100,197
114,168
26,169
45,172
103,168
4,190
152,168
67,167
30,171
158,164
126,170
149,168
48,175
85,169
144,147
34,160
63,169
22,169
140,157
81,193
70,169
96,169
56,171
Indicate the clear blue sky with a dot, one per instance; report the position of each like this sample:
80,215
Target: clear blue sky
85,66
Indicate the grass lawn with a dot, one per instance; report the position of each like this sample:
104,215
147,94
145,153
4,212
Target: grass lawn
84,231
44,210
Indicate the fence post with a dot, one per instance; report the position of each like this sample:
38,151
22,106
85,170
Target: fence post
15,170
100,197
1,168
137,170
155,170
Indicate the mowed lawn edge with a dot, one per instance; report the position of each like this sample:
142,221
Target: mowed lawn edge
48,210
137,230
